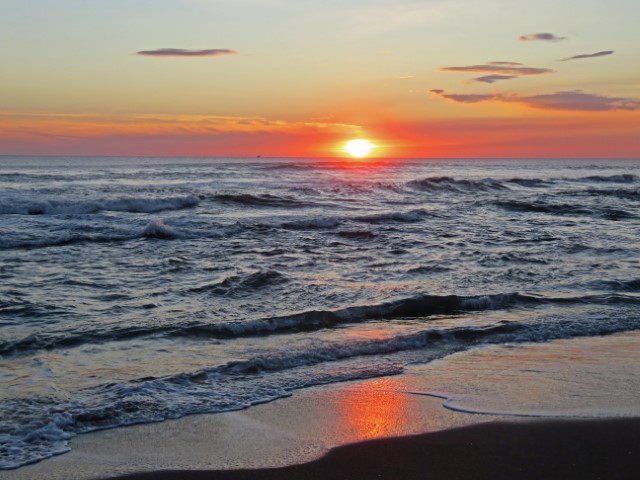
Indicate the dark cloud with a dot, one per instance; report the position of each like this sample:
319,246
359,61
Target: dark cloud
493,68
493,78
569,100
547,37
506,64
180,52
604,53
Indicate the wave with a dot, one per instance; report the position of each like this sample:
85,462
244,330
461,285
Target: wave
37,429
264,200
82,207
540,207
622,178
622,193
411,216
427,270
158,229
356,234
618,285
457,185
419,306
318,223
530,182
564,209
12,308
244,285
30,177
154,230
67,238
490,184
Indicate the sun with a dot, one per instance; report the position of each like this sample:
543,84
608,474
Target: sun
358,148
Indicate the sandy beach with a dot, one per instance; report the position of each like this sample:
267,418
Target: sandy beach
360,430
583,449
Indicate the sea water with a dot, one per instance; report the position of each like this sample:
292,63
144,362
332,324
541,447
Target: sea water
136,290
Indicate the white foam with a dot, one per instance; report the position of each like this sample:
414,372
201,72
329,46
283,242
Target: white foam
20,206
158,229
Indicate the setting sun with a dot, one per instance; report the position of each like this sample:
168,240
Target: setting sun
358,148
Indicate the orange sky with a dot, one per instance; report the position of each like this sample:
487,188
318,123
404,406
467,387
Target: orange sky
419,78
593,135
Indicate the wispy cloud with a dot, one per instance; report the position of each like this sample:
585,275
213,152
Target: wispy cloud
578,100
499,68
167,135
575,100
464,97
181,52
497,71
604,53
89,125
545,37
493,78
506,64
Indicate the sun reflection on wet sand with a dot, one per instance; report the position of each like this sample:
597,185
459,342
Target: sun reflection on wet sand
374,410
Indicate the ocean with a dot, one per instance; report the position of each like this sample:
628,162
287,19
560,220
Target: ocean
136,290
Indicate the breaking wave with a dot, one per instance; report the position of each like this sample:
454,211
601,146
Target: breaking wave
38,429
623,178
158,229
80,207
457,185
419,306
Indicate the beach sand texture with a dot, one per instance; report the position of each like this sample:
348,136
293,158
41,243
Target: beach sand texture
562,450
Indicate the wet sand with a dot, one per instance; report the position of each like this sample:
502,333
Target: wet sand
559,449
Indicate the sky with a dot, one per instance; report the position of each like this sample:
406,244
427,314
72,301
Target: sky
298,78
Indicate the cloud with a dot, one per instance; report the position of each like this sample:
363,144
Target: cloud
578,100
493,78
604,53
547,37
506,64
574,100
181,52
463,98
499,68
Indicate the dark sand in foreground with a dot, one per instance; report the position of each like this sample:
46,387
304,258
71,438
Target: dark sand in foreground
540,450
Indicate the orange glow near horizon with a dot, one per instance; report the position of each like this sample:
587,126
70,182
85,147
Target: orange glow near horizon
571,135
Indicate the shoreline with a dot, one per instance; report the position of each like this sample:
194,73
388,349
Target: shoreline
532,449
303,435
289,431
